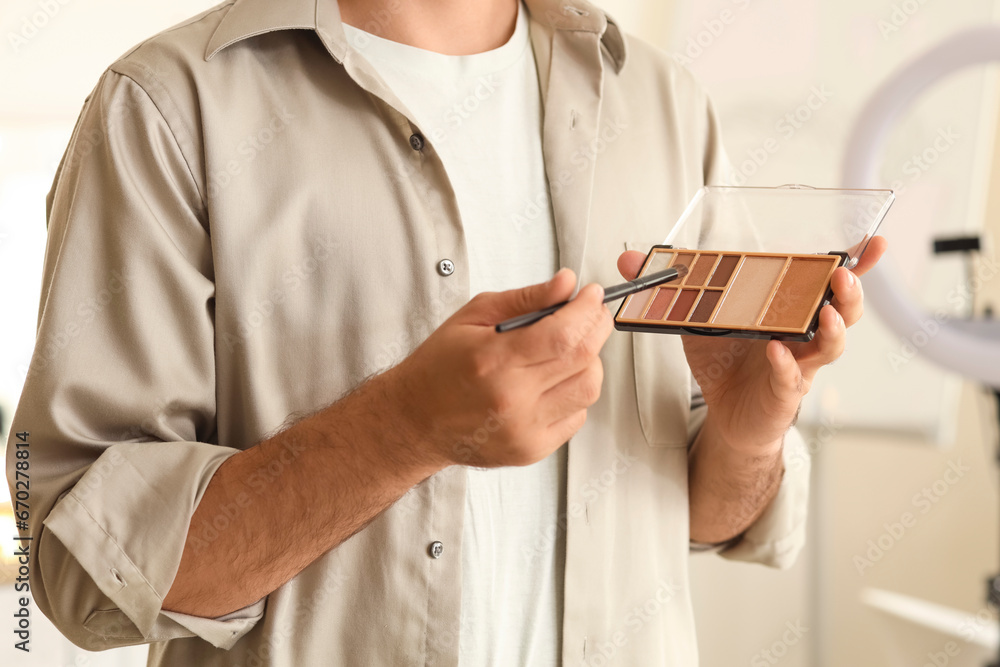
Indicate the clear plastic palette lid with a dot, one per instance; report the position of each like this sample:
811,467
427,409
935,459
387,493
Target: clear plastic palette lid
792,219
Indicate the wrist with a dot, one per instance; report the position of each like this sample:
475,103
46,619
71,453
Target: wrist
742,445
399,436
739,455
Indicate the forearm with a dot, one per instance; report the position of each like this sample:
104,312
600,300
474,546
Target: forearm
728,487
332,473
292,498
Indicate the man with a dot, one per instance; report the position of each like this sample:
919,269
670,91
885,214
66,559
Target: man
280,431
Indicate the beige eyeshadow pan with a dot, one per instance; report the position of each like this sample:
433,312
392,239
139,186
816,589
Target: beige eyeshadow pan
746,297
754,295
635,305
659,263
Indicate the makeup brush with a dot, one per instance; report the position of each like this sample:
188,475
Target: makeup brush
610,294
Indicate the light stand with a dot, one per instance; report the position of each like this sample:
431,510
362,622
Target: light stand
971,347
993,584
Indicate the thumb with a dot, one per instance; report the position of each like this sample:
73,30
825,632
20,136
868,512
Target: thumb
630,263
491,308
786,376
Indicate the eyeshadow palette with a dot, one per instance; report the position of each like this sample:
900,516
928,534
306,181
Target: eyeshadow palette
728,293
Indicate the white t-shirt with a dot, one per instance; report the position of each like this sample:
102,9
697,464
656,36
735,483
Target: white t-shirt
483,115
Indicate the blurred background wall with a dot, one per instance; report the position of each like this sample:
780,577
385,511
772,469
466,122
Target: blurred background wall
789,78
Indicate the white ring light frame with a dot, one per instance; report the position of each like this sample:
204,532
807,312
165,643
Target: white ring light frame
958,349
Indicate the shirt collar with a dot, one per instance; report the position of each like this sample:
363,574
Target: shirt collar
248,18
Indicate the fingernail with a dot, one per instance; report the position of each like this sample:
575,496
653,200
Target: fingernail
596,289
558,273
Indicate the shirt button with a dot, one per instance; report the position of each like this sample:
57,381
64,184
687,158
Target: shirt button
446,267
435,549
417,141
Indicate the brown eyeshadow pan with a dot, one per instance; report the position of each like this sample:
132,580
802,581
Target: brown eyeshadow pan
701,270
800,290
703,313
684,259
682,307
661,302
725,271
758,295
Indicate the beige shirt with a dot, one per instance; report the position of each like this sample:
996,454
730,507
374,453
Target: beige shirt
245,226
512,599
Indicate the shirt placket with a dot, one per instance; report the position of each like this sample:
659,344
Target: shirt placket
438,557
571,125
570,145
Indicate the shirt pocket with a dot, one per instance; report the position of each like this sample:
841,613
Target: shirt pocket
662,382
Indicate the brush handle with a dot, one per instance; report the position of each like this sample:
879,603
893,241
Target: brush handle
529,318
610,294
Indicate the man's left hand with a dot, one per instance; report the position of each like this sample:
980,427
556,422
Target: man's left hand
753,388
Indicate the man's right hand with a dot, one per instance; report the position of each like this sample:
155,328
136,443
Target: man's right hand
476,397
466,396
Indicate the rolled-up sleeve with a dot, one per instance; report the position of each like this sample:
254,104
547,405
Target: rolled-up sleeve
119,402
